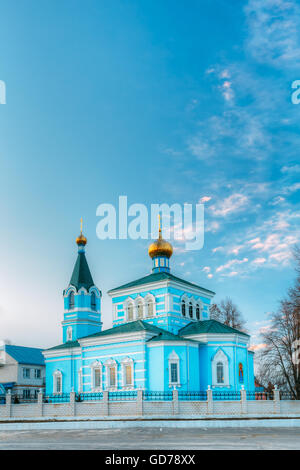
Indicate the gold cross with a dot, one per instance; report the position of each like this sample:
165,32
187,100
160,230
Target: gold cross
81,225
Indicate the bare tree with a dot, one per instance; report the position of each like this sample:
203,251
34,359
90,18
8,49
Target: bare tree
228,313
280,360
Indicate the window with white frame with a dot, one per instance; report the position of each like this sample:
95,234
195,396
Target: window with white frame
150,308
191,310
220,369
130,311
183,311
111,373
69,333
140,309
197,312
174,369
127,372
26,373
96,376
37,373
71,300
93,301
57,382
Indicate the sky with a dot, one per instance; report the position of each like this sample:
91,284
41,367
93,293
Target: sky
161,101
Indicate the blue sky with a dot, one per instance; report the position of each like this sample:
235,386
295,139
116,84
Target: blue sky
162,102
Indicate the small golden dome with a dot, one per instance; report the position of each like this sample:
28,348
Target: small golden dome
81,240
160,247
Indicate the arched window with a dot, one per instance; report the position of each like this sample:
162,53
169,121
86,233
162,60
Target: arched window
220,373
130,312
241,373
220,369
140,310
96,376
71,301
127,372
197,312
57,382
69,333
191,310
150,308
93,301
174,372
183,308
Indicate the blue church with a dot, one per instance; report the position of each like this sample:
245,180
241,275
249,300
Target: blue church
162,336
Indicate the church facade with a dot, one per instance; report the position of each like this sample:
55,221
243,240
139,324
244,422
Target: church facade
162,336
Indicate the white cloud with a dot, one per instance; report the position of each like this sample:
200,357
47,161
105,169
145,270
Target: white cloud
204,199
231,263
233,203
273,27
291,169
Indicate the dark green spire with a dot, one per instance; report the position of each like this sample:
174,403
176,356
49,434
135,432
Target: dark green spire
81,276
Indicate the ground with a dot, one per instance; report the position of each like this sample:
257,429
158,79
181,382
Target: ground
151,438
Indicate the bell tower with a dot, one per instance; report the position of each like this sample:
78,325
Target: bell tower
82,299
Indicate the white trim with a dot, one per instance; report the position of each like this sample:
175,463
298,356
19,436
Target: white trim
57,374
173,358
127,361
93,367
220,358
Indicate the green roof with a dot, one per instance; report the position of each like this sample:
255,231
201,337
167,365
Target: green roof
67,345
155,277
81,276
208,326
131,327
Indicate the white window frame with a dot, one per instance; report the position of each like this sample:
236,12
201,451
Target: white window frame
111,364
127,361
150,298
36,371
25,376
139,301
96,366
69,333
129,303
220,356
57,374
174,359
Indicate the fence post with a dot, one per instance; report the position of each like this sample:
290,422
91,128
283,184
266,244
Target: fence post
175,402
276,398
40,402
139,403
105,403
8,404
244,407
209,400
72,403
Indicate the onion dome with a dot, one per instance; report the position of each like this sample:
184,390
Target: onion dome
160,247
81,240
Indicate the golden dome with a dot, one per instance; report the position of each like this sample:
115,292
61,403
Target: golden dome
160,247
81,240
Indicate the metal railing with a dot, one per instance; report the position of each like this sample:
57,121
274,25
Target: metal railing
226,395
286,395
19,399
2,399
158,396
57,398
89,397
192,396
122,396
253,395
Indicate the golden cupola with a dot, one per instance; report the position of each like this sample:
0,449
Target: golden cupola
81,240
160,251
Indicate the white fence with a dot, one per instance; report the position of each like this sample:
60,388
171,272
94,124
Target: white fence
152,404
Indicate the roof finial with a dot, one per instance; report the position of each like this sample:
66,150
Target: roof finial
81,240
159,226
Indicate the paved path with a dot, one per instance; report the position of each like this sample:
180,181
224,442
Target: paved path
147,438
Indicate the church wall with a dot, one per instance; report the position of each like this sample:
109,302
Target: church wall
66,366
116,351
